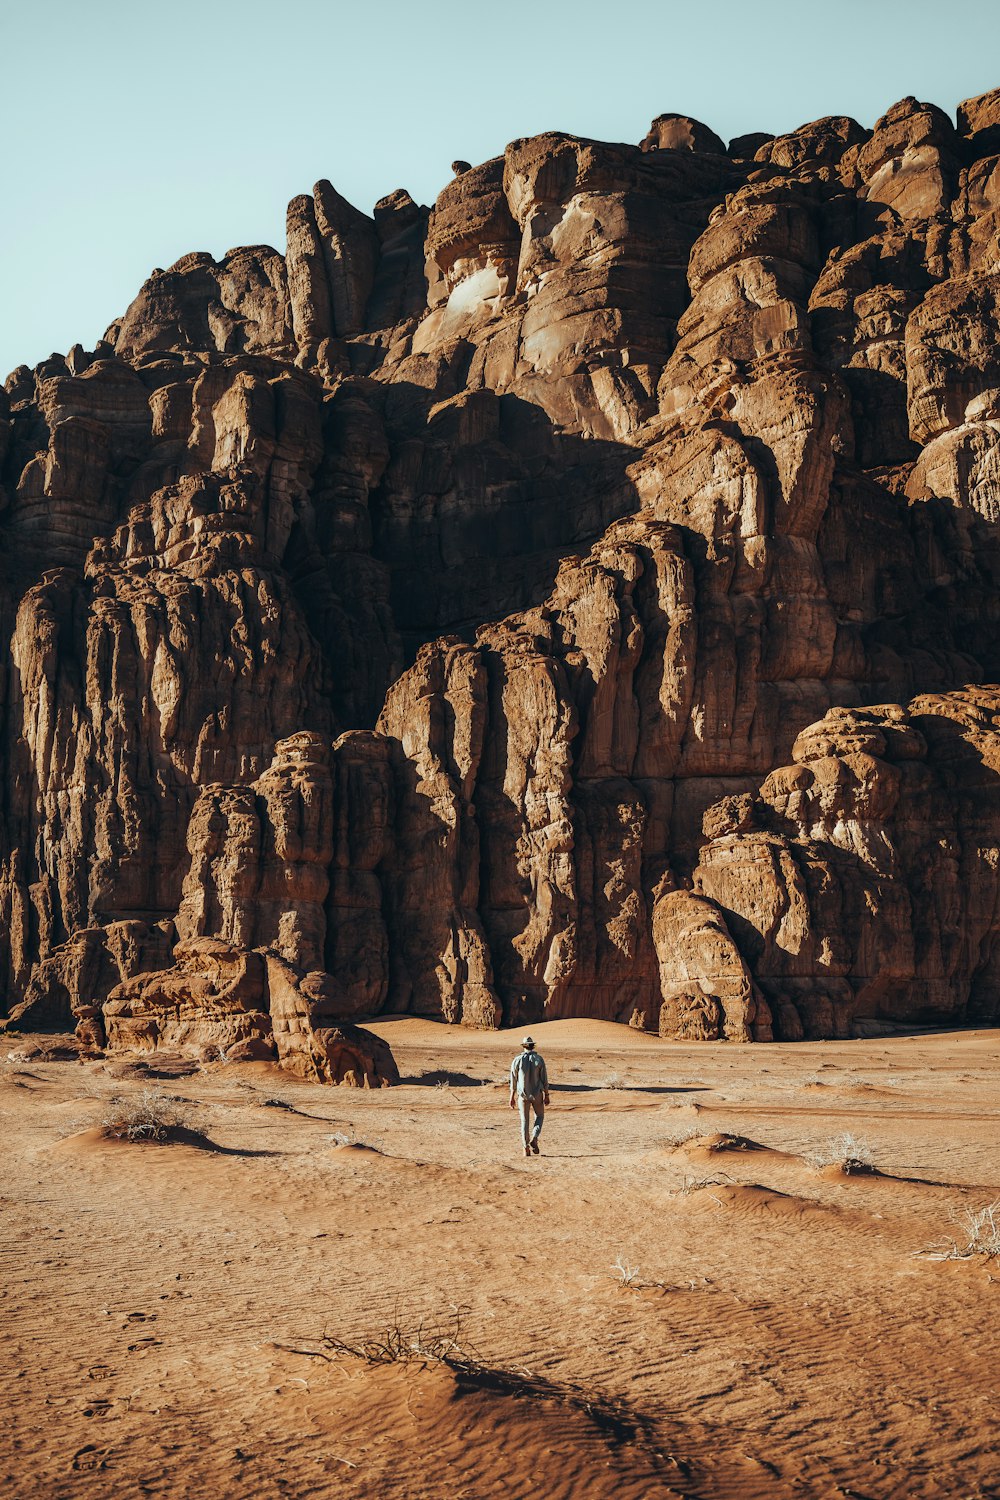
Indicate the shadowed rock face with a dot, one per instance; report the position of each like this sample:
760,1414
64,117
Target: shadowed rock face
571,599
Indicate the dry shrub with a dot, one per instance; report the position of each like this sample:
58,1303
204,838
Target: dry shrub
979,1234
851,1154
626,1273
439,1343
149,1116
980,1231
680,1136
696,1184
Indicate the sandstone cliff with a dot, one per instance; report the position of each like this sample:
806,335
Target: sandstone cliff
572,599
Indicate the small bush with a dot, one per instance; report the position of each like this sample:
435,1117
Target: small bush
848,1152
149,1116
396,1344
613,1081
979,1234
681,1136
981,1228
696,1184
626,1274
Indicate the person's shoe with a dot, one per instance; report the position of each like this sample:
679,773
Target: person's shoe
534,1148
527,1150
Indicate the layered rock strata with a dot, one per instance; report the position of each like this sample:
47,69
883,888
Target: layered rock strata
576,598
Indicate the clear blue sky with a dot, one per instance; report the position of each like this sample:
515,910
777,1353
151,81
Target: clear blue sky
133,131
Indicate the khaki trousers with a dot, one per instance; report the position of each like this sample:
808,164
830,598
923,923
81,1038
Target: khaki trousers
525,1106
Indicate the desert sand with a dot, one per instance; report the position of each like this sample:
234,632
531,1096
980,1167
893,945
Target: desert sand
171,1311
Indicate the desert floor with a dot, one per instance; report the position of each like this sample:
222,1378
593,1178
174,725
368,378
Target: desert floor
169,1311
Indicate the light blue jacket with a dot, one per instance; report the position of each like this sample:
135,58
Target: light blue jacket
528,1077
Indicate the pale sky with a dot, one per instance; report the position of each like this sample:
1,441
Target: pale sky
133,131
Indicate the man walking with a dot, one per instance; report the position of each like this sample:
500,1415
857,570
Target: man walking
529,1091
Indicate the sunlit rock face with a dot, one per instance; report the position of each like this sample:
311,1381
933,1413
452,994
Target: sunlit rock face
578,597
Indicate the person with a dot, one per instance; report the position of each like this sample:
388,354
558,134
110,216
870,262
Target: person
529,1092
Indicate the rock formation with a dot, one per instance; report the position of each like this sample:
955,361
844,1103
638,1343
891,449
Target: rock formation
576,598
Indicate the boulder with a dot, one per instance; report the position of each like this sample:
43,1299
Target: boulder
679,133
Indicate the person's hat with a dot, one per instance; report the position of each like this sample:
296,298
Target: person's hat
527,1042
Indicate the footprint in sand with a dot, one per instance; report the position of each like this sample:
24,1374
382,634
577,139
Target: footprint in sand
89,1457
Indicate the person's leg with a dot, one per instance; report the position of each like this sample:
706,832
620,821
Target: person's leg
538,1105
524,1106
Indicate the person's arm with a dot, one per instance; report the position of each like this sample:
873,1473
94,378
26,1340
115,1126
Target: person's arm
513,1083
545,1082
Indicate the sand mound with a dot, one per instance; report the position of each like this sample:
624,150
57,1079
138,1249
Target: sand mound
756,1199
489,1434
98,1138
707,1149
719,1142
120,1070
837,1172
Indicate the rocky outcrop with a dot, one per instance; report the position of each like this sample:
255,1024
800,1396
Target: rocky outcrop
678,133
227,1004
910,162
477,610
332,257
239,305
260,856
708,991
863,883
